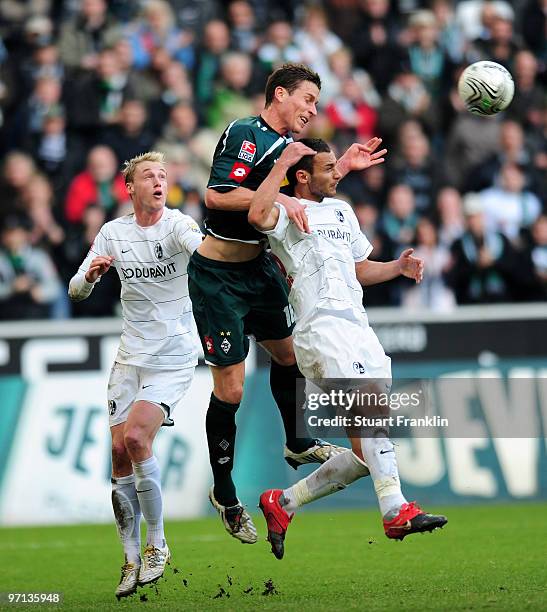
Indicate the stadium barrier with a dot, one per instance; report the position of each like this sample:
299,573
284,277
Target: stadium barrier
55,446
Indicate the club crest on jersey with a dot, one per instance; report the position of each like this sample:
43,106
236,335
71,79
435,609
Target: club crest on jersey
247,151
339,215
208,341
239,172
158,251
358,367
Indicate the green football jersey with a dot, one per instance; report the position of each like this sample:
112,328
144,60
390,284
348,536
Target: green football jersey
244,156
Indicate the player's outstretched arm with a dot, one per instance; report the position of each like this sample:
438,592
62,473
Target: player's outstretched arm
361,156
262,213
238,198
374,272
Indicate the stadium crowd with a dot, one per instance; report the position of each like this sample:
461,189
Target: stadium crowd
85,85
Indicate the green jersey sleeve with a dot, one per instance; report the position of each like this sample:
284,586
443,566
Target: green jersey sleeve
234,157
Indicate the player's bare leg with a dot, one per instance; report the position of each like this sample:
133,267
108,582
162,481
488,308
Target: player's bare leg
141,427
221,436
127,512
284,374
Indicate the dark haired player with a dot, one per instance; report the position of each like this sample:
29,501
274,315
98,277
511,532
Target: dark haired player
236,288
332,337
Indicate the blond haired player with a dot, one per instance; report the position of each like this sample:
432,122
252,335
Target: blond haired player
158,350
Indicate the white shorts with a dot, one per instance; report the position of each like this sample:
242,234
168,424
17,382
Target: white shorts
331,346
130,383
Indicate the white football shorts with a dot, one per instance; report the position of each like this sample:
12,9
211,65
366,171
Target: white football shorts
130,383
331,346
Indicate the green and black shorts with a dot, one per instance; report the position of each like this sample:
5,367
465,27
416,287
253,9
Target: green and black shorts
233,300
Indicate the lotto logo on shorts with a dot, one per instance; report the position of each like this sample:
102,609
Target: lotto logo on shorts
239,172
247,151
209,345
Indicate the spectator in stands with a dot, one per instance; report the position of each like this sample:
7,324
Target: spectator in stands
500,45
427,58
406,98
536,252
451,36
243,27
509,207
45,96
199,143
94,99
350,114
29,283
43,63
534,26
340,68
131,136
432,293
185,190
100,184
374,42
471,140
529,96
106,294
279,47
175,87
450,215
316,41
511,148
156,29
399,220
231,99
484,267
415,167
216,42
84,37
37,196
18,170
384,294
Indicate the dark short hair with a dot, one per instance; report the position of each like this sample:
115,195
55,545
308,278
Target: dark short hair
306,162
289,76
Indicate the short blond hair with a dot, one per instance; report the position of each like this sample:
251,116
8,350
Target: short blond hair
130,166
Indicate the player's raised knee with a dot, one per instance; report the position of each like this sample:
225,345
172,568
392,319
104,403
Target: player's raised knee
136,442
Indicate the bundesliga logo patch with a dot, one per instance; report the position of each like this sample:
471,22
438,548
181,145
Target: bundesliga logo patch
247,151
239,172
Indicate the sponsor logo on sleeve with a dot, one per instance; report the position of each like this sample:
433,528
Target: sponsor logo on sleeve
247,151
239,172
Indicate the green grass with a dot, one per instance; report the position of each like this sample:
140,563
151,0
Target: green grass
488,557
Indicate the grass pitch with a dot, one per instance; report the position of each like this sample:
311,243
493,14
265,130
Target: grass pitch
488,557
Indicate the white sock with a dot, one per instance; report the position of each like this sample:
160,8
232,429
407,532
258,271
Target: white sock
127,513
379,453
334,475
148,484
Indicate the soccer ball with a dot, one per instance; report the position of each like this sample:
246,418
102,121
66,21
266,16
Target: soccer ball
486,88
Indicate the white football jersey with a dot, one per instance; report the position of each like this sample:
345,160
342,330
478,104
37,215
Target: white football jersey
322,264
158,327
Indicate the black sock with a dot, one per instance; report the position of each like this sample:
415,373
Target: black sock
220,425
283,384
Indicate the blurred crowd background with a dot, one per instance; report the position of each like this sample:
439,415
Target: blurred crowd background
85,85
